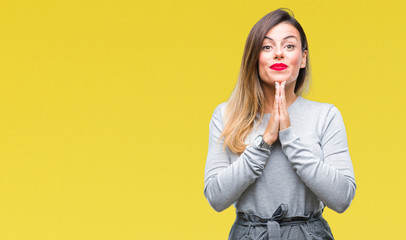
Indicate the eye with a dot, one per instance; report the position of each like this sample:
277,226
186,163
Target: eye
290,46
266,48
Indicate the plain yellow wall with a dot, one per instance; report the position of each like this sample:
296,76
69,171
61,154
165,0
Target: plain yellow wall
105,108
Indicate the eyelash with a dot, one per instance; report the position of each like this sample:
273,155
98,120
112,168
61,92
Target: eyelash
289,47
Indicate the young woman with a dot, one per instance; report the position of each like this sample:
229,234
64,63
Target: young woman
278,157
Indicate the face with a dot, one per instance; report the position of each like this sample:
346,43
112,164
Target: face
281,55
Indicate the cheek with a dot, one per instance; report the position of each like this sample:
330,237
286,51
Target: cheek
303,61
262,63
262,59
296,59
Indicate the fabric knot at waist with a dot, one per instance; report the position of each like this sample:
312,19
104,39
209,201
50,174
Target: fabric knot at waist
277,220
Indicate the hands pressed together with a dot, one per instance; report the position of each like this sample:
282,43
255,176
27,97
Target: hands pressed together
279,119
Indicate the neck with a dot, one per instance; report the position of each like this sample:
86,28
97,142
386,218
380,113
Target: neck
269,93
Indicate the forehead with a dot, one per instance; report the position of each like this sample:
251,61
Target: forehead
283,30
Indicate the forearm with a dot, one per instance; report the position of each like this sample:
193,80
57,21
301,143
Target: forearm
331,180
225,182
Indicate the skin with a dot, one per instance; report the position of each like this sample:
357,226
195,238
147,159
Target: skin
281,45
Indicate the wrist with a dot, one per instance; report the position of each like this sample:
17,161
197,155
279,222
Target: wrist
262,144
268,139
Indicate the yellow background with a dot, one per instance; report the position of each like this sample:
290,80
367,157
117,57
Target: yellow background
105,108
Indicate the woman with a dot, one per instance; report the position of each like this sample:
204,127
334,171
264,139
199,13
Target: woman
279,158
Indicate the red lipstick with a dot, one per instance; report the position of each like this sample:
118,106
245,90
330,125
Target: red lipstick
279,66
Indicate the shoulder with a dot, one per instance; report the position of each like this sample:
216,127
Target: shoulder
219,111
320,109
325,115
310,104
216,122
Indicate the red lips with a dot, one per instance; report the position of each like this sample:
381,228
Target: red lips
279,66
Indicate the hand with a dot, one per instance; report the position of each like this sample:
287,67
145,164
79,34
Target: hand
284,120
279,119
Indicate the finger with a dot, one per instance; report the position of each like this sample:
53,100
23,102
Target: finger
272,129
281,115
275,109
275,105
278,96
278,89
283,96
277,113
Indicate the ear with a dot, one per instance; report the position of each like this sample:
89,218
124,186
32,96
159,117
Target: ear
304,57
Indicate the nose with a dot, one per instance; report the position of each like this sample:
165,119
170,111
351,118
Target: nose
278,53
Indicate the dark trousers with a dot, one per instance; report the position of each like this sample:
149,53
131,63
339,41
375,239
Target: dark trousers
247,226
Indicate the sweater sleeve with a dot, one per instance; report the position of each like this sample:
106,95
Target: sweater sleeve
331,179
224,182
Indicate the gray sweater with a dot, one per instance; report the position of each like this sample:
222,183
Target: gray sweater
309,166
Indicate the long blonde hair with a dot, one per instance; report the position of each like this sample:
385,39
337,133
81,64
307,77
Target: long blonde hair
248,98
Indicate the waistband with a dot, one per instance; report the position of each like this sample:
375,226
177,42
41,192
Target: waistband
278,219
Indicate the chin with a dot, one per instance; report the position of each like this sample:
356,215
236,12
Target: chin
280,80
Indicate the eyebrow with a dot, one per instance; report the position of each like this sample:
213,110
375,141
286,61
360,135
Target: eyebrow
290,36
